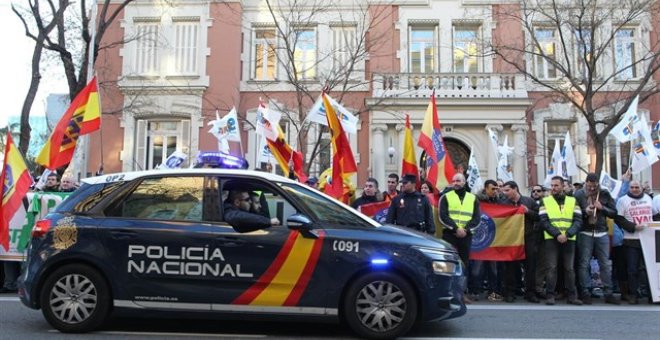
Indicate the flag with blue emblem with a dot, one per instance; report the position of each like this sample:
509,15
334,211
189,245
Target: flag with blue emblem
439,167
500,235
624,131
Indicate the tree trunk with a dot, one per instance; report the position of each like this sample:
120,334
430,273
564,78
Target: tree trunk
24,141
599,149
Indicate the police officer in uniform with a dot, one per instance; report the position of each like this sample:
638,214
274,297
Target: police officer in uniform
561,219
411,208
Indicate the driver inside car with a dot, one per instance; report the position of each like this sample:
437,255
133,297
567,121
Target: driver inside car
237,213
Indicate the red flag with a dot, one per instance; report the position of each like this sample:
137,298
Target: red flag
343,163
377,211
501,234
284,154
439,167
409,163
82,117
16,182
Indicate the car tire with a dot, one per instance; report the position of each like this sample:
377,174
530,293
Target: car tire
380,305
75,299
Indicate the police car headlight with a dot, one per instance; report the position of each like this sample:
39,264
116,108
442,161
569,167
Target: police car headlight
447,268
438,254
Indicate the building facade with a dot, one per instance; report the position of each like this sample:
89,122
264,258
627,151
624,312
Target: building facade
182,61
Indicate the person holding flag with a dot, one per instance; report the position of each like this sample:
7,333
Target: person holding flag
370,194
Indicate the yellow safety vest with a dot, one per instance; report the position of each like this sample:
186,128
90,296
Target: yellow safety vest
460,212
561,219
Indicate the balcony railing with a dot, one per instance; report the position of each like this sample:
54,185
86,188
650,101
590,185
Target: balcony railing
449,85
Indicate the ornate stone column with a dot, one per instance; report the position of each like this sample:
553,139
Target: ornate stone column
520,154
492,154
378,149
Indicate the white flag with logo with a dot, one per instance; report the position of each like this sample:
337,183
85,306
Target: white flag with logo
267,121
494,141
610,184
174,160
503,169
226,127
264,155
568,156
655,135
474,176
346,118
624,130
555,167
643,151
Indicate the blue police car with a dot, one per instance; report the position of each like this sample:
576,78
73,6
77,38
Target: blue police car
232,242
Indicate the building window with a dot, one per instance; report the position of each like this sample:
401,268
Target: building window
264,58
555,131
583,40
304,53
624,54
157,139
343,43
186,38
146,52
466,49
617,157
547,41
423,49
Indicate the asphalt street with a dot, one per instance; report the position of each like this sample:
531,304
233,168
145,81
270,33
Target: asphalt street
489,320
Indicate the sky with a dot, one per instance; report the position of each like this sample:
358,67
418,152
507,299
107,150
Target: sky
15,67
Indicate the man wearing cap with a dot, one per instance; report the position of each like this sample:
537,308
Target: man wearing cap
459,215
411,208
313,182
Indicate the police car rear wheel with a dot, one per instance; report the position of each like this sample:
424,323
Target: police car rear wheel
380,306
75,299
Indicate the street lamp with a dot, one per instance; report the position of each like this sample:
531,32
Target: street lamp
391,152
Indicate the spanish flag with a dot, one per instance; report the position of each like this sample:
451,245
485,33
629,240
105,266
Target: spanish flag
500,235
283,153
439,167
377,211
409,163
82,117
343,163
16,182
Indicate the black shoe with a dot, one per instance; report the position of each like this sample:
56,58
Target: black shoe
550,300
4,290
532,298
541,295
509,298
574,301
612,300
586,298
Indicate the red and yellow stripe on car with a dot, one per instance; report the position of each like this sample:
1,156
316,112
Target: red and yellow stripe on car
285,280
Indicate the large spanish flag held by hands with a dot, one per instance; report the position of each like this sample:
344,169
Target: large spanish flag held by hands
409,163
82,117
343,163
439,167
284,154
16,182
500,235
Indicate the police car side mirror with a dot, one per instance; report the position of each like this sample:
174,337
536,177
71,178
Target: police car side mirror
299,222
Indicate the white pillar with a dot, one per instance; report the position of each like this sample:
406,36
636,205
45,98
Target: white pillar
492,154
401,134
378,157
520,154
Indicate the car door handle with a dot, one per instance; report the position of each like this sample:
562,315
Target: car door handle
230,241
123,234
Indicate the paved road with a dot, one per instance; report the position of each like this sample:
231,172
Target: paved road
484,320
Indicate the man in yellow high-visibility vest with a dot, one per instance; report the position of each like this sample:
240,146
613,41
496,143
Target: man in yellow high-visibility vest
561,219
459,214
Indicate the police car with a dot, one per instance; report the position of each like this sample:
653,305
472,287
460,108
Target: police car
158,241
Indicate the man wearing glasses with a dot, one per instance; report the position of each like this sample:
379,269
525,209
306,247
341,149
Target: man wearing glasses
237,213
370,194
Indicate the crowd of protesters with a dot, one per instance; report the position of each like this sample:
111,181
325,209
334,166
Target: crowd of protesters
581,243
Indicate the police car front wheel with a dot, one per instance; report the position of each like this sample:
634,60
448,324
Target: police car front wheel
75,299
380,306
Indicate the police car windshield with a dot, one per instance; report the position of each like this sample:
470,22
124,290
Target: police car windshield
324,209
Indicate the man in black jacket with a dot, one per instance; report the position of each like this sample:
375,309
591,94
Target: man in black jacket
512,196
597,205
370,194
237,213
411,208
